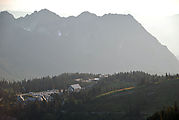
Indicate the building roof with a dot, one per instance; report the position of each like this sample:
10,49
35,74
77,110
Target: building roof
75,86
96,79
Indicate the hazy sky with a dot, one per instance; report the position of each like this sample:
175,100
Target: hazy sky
74,7
148,12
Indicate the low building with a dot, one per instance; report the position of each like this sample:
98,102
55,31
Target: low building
86,81
47,98
20,98
78,80
38,96
103,76
74,88
33,98
96,79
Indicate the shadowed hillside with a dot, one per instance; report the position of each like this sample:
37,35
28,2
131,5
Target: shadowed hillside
44,43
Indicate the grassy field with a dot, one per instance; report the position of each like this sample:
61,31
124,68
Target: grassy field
115,91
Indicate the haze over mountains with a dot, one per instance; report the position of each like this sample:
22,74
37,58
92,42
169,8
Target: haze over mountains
173,32
165,29
44,43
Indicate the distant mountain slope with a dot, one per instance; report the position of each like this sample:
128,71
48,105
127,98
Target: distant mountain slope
165,29
44,43
6,75
3,74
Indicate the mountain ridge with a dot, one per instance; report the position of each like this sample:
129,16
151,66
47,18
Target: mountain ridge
43,43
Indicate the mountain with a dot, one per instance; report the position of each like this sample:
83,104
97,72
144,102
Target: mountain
18,14
43,43
165,29
4,73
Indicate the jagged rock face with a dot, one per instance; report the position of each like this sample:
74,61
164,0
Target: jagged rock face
44,43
